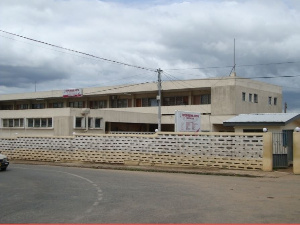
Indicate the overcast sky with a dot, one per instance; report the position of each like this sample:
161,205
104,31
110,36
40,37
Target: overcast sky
176,36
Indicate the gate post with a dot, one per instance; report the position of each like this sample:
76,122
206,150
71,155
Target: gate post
267,152
296,152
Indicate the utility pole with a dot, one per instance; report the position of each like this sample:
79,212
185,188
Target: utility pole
159,98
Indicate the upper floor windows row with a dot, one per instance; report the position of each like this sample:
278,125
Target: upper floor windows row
13,122
93,123
272,101
251,97
202,99
30,122
116,103
146,102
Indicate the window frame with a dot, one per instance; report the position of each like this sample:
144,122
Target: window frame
76,104
12,123
37,122
270,100
275,100
92,122
255,98
78,119
41,105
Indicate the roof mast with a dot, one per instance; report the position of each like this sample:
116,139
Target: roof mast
233,74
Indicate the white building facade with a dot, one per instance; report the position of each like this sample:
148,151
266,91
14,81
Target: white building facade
133,108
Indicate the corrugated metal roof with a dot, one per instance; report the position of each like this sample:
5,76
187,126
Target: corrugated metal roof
263,118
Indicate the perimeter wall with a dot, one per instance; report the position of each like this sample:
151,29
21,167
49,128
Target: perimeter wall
220,150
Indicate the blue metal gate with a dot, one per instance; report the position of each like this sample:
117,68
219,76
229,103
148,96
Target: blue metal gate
283,149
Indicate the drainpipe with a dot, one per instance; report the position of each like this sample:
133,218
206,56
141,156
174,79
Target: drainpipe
85,112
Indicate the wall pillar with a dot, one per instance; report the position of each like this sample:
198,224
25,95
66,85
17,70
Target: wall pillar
296,152
268,152
190,98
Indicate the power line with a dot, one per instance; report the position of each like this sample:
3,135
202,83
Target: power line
202,68
79,52
245,65
173,78
116,88
125,78
268,77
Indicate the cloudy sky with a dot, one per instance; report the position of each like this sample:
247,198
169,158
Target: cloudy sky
186,39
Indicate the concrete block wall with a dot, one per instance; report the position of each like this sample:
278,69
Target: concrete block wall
220,150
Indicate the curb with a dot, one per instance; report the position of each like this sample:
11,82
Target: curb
197,171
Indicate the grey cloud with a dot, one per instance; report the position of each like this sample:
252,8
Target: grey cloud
166,34
21,76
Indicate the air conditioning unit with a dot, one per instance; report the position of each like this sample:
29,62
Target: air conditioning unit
85,111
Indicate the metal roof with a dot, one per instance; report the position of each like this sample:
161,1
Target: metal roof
262,118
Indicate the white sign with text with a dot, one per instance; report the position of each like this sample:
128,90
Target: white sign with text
187,121
72,93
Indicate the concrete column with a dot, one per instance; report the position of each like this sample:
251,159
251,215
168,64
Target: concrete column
132,101
268,152
296,152
190,98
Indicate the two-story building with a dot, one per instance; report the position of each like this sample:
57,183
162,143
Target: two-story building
134,107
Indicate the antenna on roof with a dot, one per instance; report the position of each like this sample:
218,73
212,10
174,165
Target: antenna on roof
285,107
233,73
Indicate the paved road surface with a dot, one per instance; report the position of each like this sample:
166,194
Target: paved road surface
51,194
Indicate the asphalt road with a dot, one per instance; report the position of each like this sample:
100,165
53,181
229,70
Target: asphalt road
52,194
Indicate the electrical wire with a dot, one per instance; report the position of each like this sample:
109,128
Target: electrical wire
79,52
222,67
112,81
116,88
266,77
173,78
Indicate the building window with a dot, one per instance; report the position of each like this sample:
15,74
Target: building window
76,104
243,96
145,102
138,102
255,98
275,101
57,105
270,100
6,107
152,102
39,122
95,122
169,101
205,99
98,104
29,122
90,122
178,100
79,122
18,122
250,97
22,106
119,103
13,122
38,106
